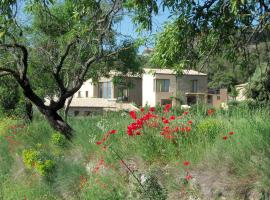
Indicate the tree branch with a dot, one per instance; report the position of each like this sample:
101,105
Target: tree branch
24,58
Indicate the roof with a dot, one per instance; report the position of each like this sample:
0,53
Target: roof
170,71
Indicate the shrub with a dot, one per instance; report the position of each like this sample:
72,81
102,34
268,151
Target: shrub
30,157
58,139
153,189
45,167
39,161
209,128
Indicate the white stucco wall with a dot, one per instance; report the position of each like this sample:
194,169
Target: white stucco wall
149,96
87,86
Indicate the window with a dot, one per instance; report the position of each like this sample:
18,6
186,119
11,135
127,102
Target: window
194,84
209,99
79,94
86,93
162,85
105,90
218,97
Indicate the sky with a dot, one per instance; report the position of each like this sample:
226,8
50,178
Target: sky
128,29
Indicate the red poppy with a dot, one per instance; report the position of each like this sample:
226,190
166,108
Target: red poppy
188,128
188,177
99,142
138,133
133,114
180,117
186,163
176,129
165,121
225,137
182,129
167,107
185,113
172,117
189,122
152,109
167,136
231,133
142,109
210,112
166,128
113,131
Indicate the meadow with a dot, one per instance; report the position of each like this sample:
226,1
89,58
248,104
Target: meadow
154,153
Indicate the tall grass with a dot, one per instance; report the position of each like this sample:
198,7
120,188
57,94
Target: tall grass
246,153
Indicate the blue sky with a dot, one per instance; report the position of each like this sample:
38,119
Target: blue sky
128,29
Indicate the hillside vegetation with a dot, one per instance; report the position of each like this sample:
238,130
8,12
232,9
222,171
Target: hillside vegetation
157,153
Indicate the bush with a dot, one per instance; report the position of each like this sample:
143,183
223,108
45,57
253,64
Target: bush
209,128
153,189
58,139
39,161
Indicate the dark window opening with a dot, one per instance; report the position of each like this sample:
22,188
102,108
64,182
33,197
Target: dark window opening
194,84
76,113
162,85
165,101
105,90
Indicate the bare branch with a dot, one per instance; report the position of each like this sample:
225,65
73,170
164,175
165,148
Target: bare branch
24,58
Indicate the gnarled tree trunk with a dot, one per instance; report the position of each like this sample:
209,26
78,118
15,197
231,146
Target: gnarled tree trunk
28,110
57,123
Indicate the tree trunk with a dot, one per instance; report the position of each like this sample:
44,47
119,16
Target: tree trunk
28,110
67,107
58,123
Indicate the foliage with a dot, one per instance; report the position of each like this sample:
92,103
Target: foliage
85,170
58,139
9,98
39,161
258,88
209,128
153,189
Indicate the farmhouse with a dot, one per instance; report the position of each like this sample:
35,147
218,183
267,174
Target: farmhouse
153,87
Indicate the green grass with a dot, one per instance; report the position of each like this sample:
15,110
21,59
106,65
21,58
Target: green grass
244,155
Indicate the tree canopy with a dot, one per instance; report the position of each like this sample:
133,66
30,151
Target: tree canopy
62,44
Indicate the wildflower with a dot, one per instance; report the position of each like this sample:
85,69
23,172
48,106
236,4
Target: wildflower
172,117
152,109
180,117
210,112
185,113
182,129
99,142
188,177
112,131
166,128
189,122
188,129
138,133
133,115
186,163
142,109
231,133
225,137
165,121
167,108
176,129
168,136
